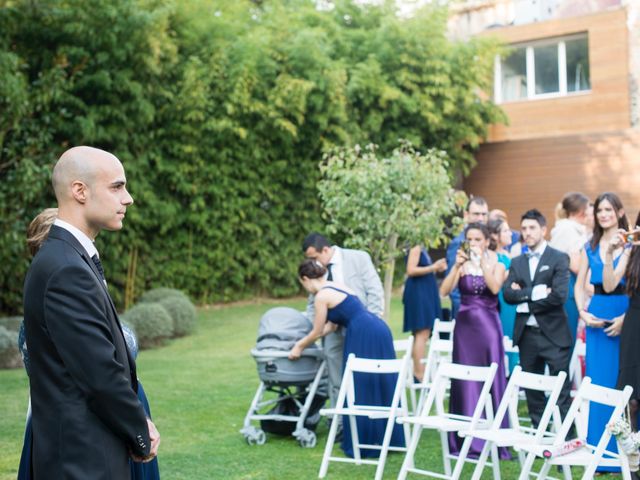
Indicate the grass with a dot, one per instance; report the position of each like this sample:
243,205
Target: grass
200,388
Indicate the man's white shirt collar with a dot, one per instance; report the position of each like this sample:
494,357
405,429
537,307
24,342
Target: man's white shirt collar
541,248
84,240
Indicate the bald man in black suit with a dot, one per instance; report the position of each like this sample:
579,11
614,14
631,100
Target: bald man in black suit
86,417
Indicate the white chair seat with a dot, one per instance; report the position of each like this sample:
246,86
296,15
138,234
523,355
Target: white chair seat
580,457
359,411
505,437
443,424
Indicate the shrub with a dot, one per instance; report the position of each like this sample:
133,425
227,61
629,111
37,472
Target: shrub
151,322
162,293
11,323
9,353
183,314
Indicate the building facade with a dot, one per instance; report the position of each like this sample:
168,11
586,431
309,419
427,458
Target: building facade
569,84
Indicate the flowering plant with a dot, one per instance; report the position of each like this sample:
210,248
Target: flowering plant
629,441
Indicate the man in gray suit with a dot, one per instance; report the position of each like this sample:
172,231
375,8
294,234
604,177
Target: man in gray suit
354,269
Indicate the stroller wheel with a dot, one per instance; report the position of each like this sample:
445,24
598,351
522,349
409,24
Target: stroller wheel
255,437
307,439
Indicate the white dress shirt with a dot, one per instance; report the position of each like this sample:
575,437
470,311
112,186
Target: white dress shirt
336,262
534,260
82,237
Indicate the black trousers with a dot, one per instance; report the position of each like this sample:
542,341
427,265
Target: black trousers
537,351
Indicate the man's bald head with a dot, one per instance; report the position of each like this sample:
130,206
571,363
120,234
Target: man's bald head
78,164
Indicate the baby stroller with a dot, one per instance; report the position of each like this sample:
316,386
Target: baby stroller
295,408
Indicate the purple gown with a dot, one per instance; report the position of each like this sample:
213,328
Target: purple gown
477,340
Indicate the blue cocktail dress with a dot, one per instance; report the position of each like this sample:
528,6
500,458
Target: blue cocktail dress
367,336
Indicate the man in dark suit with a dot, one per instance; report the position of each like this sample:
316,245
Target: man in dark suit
538,283
86,417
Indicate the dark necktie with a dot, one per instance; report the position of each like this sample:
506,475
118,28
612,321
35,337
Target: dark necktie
329,274
98,264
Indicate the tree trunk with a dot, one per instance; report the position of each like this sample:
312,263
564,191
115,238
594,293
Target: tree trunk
390,266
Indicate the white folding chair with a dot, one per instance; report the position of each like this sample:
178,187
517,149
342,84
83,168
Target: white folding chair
346,405
445,422
405,347
589,456
440,351
516,433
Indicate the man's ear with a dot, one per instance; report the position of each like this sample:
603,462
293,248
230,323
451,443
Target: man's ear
79,191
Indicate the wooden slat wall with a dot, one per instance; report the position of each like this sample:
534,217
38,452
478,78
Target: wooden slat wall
605,108
516,176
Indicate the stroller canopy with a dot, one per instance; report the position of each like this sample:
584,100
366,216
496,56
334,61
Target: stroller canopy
280,328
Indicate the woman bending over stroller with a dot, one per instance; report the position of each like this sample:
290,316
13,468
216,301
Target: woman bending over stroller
367,336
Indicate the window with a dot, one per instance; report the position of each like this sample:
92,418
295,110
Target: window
544,69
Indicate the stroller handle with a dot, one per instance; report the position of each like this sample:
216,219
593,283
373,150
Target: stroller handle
264,354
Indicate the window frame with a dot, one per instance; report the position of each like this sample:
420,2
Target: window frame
530,69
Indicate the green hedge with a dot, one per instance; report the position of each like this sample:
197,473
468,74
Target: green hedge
9,353
151,322
220,112
11,323
183,314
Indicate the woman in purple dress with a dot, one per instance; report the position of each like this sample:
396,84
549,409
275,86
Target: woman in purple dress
477,337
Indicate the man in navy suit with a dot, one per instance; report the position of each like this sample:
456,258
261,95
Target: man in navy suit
538,283
86,417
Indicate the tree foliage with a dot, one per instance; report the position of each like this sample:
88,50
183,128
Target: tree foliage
220,112
381,203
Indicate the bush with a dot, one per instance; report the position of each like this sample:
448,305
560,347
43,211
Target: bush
151,322
183,314
9,353
158,294
11,323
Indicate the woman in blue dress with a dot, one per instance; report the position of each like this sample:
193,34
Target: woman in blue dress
421,302
605,314
367,336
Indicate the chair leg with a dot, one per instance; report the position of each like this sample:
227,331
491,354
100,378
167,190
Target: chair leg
331,438
385,446
527,466
546,466
462,457
482,460
411,450
446,461
355,439
495,460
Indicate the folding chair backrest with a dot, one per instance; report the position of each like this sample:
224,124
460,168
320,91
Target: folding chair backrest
375,366
440,326
453,371
403,345
588,392
551,385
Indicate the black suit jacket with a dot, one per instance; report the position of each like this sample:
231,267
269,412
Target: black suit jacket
86,415
553,271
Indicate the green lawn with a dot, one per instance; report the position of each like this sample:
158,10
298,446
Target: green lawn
200,388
